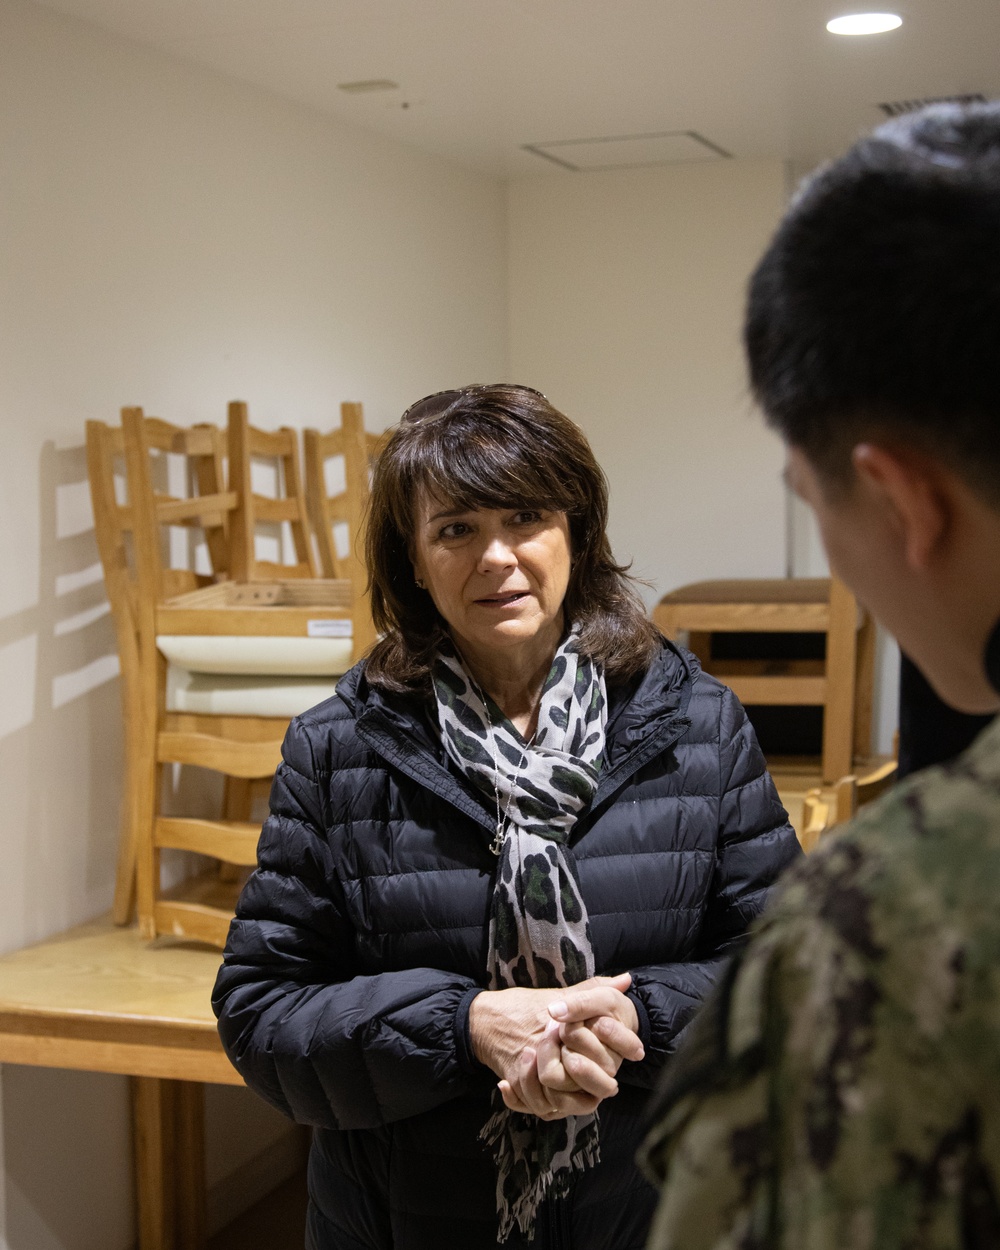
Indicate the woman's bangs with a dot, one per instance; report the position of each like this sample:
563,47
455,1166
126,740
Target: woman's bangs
490,473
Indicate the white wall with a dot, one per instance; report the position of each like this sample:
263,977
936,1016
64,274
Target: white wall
176,240
626,293
626,306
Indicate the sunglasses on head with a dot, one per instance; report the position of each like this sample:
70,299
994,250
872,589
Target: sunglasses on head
441,401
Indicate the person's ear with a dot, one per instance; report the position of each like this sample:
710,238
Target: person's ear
418,575
914,491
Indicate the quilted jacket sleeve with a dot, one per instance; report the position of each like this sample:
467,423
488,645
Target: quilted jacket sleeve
755,845
327,1046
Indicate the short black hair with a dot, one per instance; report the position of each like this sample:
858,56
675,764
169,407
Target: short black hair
876,308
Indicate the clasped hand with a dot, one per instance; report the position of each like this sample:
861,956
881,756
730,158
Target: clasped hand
557,1052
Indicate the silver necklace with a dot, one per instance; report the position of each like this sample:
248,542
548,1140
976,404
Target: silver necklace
503,821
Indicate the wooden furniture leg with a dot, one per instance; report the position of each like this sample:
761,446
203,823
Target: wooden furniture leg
123,907
169,1154
189,1165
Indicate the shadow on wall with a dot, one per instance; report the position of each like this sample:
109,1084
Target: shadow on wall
61,724
60,719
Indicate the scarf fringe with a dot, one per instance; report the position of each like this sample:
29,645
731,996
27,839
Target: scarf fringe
585,1153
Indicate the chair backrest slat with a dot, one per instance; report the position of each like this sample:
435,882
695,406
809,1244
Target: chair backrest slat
209,507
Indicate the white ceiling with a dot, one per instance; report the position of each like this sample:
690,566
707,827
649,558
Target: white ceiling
479,79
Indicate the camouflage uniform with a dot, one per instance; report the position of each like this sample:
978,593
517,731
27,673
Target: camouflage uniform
841,1090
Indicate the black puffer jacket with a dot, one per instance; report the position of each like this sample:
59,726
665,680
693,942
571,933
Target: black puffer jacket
360,942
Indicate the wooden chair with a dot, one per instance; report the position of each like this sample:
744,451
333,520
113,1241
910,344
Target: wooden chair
222,667
286,507
841,684
822,812
343,507
114,532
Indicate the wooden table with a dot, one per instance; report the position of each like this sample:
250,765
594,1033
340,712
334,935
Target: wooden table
99,998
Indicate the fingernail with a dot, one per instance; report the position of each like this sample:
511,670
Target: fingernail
559,1011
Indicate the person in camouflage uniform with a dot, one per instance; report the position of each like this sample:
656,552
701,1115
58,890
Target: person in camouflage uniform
841,1090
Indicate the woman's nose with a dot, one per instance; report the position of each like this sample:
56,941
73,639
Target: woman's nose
497,554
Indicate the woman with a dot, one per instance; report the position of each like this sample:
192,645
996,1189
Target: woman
503,864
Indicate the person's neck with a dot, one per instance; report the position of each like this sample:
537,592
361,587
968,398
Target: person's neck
514,677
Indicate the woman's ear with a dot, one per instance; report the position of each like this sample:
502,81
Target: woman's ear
418,574
914,490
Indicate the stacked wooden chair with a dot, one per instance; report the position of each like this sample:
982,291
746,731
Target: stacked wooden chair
841,683
219,648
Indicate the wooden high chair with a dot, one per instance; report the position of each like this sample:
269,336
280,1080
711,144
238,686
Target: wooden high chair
841,684
357,449
222,668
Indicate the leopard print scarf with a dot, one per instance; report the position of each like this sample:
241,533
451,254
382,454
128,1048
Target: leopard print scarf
539,932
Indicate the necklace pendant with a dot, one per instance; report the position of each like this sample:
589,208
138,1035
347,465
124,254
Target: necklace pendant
496,846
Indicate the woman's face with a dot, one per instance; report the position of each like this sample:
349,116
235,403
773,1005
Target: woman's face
498,576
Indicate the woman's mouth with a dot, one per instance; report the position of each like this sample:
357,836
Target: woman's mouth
502,601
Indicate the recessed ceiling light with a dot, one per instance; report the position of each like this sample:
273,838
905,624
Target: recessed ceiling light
864,23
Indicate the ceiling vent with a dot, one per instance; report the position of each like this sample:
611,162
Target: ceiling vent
664,147
368,84
896,108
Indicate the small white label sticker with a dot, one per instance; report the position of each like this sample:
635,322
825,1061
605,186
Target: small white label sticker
330,629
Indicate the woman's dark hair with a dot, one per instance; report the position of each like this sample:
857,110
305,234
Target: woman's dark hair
498,446
876,309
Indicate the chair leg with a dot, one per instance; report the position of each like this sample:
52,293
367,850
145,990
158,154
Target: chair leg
123,905
145,788
152,1149
148,787
838,711
189,1165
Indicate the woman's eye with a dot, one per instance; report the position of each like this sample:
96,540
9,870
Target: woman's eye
527,516
457,529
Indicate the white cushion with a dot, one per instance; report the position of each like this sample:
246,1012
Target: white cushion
226,695
257,654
